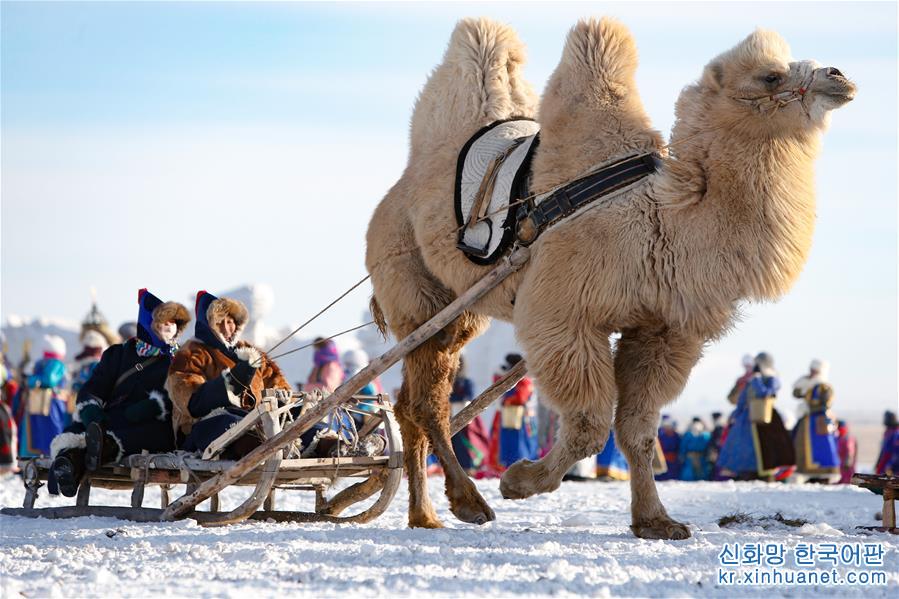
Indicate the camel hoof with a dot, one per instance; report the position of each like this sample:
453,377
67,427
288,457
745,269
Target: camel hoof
477,513
424,522
526,478
662,528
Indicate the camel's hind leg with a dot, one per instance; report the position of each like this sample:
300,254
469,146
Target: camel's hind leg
415,454
427,382
651,368
574,371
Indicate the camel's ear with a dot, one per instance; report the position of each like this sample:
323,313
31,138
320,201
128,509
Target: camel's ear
713,76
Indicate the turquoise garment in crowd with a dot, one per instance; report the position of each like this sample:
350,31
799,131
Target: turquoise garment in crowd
36,429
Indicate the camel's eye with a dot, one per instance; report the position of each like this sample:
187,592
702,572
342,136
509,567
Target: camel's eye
772,78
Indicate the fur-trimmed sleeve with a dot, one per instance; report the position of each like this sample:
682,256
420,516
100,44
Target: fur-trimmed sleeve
187,373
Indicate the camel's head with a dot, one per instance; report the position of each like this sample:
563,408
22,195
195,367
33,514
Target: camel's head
758,82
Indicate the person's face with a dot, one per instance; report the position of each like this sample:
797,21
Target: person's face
167,330
226,328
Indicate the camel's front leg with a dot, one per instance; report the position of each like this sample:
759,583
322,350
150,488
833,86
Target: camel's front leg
581,435
651,368
574,371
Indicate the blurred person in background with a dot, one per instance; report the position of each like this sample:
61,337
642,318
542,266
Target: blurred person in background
715,443
694,446
670,441
93,346
888,459
847,448
40,407
513,435
814,436
327,374
470,443
757,445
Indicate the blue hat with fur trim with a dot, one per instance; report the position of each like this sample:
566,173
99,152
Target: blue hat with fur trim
151,307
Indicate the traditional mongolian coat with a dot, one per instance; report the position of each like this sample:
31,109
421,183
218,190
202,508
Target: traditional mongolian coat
847,448
125,392
754,448
611,463
516,427
670,441
888,460
814,436
213,384
693,453
40,409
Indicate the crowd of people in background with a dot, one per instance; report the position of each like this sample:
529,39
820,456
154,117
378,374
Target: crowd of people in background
137,389
750,443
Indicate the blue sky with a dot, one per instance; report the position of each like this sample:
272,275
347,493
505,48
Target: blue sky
182,146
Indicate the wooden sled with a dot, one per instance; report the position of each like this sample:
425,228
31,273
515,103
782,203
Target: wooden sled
266,468
284,470
888,486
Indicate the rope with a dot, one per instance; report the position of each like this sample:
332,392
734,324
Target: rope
320,312
281,355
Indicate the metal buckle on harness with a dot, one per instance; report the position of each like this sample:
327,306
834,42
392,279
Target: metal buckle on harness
526,228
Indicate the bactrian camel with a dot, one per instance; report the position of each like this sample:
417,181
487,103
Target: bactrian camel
664,262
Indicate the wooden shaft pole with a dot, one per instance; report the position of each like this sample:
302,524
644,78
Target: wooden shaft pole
185,504
480,403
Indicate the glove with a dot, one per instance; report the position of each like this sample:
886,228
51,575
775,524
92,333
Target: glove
146,409
90,411
245,369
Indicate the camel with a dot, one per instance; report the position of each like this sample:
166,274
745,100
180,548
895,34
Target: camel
663,262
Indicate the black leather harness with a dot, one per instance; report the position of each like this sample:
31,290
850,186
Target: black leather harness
533,218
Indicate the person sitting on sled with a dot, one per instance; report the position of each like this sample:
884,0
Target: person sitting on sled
123,408
216,378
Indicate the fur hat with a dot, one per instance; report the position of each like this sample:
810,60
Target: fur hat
226,306
210,311
172,312
151,312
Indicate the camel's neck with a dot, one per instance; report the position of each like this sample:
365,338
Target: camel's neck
744,208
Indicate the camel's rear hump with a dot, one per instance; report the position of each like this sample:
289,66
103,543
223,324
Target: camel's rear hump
478,82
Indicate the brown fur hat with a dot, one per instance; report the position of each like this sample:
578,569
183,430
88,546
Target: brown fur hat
226,306
172,311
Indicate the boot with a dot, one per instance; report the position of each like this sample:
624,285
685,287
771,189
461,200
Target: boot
68,468
101,448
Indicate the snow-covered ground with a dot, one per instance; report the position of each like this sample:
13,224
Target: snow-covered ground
573,541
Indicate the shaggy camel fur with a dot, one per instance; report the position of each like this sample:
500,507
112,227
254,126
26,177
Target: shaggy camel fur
663,262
